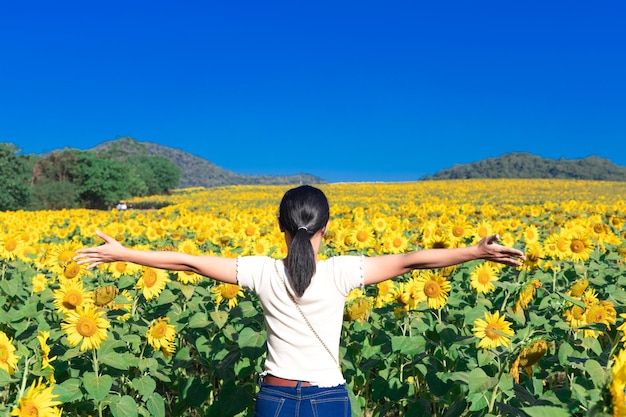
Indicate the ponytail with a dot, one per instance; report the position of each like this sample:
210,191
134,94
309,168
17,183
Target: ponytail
303,212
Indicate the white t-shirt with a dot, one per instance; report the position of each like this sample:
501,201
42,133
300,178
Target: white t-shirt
293,350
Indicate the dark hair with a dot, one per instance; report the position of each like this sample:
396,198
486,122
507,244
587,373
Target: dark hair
303,212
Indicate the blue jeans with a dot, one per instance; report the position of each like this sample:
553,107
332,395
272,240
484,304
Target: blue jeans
298,401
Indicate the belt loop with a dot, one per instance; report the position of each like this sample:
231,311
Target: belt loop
299,387
260,379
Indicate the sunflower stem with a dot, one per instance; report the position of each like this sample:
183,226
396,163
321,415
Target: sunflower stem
24,378
95,362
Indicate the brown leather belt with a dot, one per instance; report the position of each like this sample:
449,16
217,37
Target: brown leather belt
282,382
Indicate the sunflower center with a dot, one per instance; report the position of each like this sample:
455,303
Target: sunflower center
72,299
149,278
489,331
362,236
159,330
250,230
598,228
71,270
484,278
10,245
29,410
229,291
86,327
577,246
432,289
120,266
596,315
397,242
458,231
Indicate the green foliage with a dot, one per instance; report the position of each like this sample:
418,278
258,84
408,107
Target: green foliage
71,178
102,182
14,176
525,165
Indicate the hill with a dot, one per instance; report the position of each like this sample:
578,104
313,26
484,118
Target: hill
526,165
196,171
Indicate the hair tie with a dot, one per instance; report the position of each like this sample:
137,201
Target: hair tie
303,227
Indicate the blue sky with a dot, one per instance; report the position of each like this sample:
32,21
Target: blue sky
345,90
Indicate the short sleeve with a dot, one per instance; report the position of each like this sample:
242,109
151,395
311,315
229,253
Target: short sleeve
347,272
250,270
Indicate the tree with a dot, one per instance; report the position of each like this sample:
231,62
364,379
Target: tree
103,182
14,176
157,172
54,179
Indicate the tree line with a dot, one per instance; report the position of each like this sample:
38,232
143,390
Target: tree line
71,178
526,165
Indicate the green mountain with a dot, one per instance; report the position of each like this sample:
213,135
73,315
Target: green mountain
196,171
526,165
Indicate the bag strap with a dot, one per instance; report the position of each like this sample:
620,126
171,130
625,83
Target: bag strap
302,313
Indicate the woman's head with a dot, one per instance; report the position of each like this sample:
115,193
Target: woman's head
303,208
303,212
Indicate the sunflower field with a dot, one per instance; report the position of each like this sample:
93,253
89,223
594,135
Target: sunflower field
478,339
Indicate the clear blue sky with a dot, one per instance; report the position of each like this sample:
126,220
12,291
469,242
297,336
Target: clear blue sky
345,90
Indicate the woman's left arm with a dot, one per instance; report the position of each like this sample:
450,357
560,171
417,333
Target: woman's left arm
381,268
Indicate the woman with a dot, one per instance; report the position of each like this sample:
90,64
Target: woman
303,298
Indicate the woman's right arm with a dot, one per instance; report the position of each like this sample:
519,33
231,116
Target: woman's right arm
218,268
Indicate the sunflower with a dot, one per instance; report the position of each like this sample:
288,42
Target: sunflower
527,295
226,291
434,287
355,294
531,234
60,255
482,278
119,268
578,288
261,246
188,277
575,316
603,312
482,230
395,242
39,401
85,325
70,296
529,356
618,384
439,240
459,228
105,296
379,223
40,282
580,247
556,245
8,360
161,334
10,246
385,293
363,237
534,255
71,271
42,337
493,331
152,282
622,328
358,310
